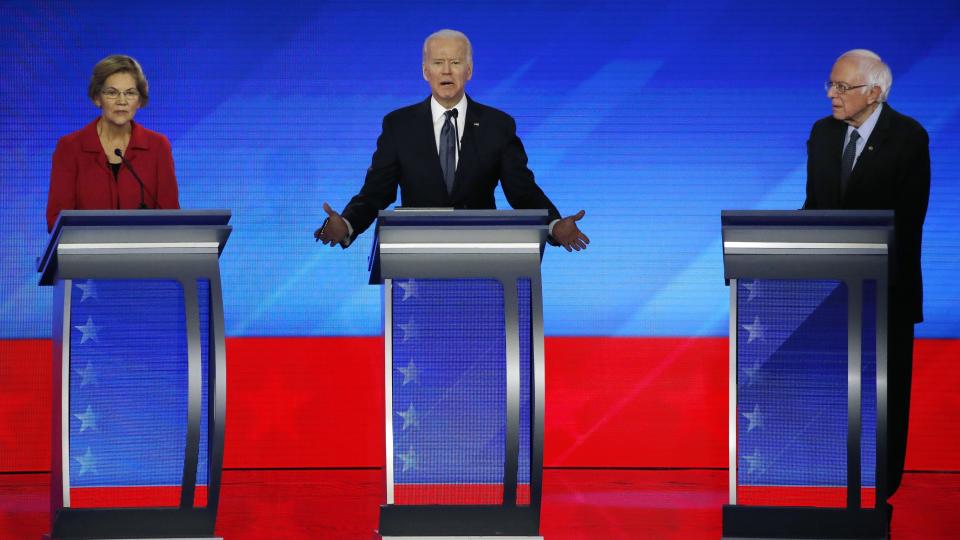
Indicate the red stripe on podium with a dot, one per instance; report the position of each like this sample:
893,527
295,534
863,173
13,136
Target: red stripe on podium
821,497
456,494
133,497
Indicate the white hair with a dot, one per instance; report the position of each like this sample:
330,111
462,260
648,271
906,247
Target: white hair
447,33
875,72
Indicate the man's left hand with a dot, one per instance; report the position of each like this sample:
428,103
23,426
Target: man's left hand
569,235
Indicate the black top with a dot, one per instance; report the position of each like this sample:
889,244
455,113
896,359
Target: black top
115,167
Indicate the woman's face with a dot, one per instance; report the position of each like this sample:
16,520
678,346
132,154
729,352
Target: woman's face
119,99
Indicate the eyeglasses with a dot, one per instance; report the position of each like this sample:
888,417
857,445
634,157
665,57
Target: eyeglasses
113,94
841,87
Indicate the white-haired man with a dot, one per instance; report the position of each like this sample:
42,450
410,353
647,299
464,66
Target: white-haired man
447,151
868,156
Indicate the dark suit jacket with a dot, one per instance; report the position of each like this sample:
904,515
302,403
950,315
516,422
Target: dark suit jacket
892,173
406,156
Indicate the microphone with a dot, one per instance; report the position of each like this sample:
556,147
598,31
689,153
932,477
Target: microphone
456,130
119,154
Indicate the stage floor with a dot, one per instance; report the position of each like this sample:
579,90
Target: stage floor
577,504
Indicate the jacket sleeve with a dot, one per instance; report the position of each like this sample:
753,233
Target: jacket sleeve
380,185
810,203
63,183
168,194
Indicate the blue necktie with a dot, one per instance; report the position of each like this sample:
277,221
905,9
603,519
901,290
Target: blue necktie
448,151
846,162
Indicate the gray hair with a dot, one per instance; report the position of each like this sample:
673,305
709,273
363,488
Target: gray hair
875,72
447,33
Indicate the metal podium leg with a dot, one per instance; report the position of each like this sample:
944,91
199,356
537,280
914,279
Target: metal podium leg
388,385
854,375
512,439
192,444
60,444
217,391
537,392
732,402
883,483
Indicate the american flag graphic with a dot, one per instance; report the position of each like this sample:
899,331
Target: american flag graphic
792,391
128,392
449,391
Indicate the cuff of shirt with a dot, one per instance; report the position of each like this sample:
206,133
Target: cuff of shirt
550,227
349,239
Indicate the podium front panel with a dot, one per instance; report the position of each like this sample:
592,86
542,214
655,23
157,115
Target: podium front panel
463,371
128,393
793,340
448,391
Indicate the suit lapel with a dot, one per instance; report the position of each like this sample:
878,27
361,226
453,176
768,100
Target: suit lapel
468,146
90,142
427,147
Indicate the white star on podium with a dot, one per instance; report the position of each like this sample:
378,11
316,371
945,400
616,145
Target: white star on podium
755,418
87,375
87,463
87,420
408,331
409,418
755,330
409,289
754,463
89,290
752,288
89,330
751,372
410,373
409,459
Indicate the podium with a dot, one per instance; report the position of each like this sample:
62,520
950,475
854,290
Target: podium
808,372
139,372
463,372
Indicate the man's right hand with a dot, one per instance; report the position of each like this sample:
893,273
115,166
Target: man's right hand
334,229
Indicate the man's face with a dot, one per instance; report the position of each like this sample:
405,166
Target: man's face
853,106
447,70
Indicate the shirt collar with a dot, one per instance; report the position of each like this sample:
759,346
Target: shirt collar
866,128
437,110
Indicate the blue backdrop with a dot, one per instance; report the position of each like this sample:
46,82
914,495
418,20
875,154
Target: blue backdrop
653,116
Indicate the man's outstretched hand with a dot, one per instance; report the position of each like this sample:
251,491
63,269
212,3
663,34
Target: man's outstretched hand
334,229
569,235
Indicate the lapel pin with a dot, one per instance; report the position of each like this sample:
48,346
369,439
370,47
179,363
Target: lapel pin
870,148
476,124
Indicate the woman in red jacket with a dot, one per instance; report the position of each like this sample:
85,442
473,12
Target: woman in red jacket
88,174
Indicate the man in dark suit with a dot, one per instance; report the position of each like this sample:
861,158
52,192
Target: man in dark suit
867,156
447,151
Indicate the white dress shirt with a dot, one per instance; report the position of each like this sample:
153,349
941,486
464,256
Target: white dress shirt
865,129
438,111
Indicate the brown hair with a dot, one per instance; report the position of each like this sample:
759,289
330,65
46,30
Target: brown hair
118,63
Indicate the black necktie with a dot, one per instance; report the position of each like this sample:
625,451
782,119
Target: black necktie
448,151
846,162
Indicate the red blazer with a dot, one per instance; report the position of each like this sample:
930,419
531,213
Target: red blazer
81,179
